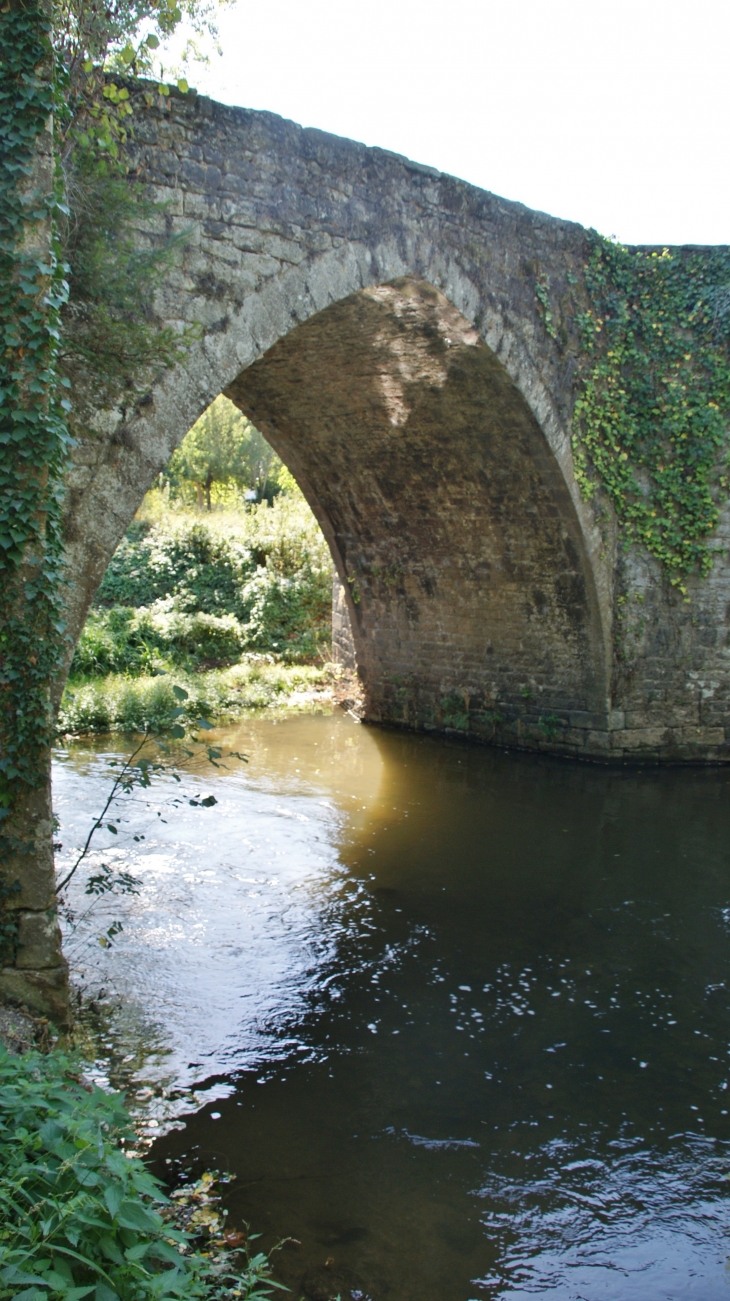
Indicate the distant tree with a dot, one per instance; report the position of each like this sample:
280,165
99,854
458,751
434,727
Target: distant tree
224,448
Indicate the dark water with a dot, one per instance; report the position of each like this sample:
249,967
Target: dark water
461,1016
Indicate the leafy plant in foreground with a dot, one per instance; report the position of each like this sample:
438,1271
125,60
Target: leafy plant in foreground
78,1216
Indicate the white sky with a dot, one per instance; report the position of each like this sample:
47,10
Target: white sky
616,115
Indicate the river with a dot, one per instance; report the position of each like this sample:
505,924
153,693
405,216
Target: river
456,1019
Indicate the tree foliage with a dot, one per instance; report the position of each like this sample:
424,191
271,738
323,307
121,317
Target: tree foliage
224,449
113,345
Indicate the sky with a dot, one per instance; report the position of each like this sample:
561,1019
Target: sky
616,115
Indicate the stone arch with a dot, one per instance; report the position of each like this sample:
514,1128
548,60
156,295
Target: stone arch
470,589
451,523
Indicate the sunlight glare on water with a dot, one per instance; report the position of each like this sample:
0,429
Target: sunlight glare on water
456,1019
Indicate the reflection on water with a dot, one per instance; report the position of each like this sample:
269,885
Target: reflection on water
462,1016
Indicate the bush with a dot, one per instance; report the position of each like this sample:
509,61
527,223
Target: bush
290,616
125,640
119,704
177,592
187,561
77,1215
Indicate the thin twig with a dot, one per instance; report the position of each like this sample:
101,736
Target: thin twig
98,821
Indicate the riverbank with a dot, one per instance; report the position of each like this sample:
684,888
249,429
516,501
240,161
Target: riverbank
121,703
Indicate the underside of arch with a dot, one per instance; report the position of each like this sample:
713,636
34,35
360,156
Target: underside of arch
470,591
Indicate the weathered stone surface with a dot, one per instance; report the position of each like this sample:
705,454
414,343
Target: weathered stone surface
379,322
39,940
343,643
17,1031
31,868
43,984
44,992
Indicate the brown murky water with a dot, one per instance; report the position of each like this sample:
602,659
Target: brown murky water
456,1019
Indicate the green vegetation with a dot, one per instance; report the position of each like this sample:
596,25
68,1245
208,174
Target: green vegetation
258,580
222,456
80,1218
33,406
234,606
76,203
111,345
651,419
126,704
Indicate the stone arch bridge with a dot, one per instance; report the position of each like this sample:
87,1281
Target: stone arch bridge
379,322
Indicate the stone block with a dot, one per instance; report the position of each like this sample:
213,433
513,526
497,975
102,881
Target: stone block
36,878
197,206
702,736
637,719
238,213
39,940
585,719
44,993
32,867
193,175
598,742
645,738
170,196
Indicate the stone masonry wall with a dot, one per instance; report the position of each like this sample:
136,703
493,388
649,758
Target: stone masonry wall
343,643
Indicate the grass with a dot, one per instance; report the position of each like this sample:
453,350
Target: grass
118,703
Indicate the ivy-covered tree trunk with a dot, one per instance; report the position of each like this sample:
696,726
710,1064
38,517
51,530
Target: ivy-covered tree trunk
33,447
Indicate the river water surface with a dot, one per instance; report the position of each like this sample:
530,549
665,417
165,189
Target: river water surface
456,1019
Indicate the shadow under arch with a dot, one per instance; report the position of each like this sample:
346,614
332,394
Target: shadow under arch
470,588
